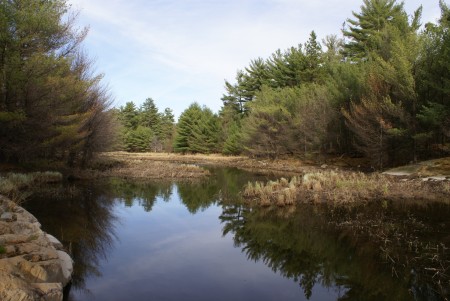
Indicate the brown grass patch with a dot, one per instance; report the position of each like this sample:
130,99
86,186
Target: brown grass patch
343,187
142,166
18,186
290,166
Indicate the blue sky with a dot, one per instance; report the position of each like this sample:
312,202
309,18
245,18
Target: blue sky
181,51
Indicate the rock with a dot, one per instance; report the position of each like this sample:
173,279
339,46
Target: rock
54,241
26,228
13,288
11,238
323,166
5,228
436,178
8,217
33,271
10,251
31,267
66,266
49,291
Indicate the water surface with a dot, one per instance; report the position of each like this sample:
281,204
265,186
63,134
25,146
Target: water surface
196,241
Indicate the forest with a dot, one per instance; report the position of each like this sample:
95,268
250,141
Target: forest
381,90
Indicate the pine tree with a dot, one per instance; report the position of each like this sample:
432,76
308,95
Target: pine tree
367,31
129,115
267,126
167,129
150,117
51,105
197,131
375,123
205,133
188,119
237,95
286,68
313,69
232,144
433,82
138,139
230,130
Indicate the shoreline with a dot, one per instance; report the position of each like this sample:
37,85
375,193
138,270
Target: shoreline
33,264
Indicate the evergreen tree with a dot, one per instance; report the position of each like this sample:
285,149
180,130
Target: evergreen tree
51,106
367,31
150,117
256,75
197,131
167,129
236,95
138,139
433,82
188,119
129,116
286,68
267,126
374,123
230,133
233,144
205,133
313,69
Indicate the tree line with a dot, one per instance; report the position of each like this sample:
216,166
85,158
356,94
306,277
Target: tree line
382,90
145,129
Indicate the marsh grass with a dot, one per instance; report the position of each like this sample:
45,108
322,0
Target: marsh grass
341,188
18,186
142,166
280,193
400,243
344,187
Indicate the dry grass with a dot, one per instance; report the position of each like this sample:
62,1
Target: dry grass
142,166
430,168
338,187
177,166
435,167
342,187
172,157
289,166
17,186
280,193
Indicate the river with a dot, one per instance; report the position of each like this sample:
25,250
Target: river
135,240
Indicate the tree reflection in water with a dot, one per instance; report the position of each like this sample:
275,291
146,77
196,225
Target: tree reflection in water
379,251
337,247
85,223
142,193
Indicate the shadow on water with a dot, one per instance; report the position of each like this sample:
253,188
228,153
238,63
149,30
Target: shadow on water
81,217
371,252
380,251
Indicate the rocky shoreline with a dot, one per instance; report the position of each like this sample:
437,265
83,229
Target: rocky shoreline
33,264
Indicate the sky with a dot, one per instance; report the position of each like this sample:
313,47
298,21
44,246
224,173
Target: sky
181,51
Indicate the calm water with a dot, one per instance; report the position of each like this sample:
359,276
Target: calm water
175,241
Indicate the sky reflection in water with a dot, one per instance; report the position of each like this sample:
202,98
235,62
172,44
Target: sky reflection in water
163,241
172,254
